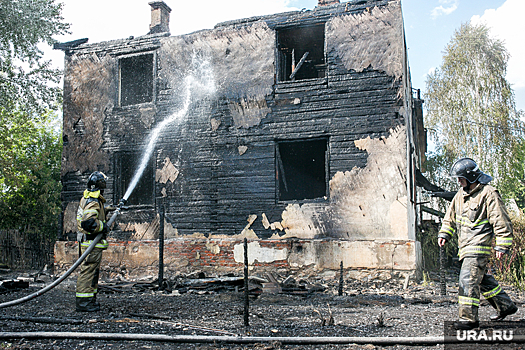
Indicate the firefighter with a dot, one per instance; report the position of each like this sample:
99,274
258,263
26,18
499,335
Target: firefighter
476,214
91,221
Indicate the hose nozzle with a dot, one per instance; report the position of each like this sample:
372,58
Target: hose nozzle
122,203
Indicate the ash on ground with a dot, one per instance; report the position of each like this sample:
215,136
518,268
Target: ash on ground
370,304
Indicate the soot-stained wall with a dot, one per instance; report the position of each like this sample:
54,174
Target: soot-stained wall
217,166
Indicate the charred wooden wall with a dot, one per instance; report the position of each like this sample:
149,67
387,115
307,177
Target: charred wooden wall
215,171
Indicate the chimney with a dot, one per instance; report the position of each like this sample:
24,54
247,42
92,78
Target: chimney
160,17
327,2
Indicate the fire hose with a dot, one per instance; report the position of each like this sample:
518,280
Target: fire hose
71,269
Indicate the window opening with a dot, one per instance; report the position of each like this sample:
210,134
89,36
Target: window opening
126,165
301,53
301,169
136,80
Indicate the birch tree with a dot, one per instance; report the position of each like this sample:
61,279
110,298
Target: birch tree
471,112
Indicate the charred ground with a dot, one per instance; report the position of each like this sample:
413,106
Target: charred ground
377,305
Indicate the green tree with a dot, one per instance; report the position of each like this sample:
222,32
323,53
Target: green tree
30,187
27,81
30,144
471,109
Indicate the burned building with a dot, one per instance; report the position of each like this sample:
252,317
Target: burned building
297,131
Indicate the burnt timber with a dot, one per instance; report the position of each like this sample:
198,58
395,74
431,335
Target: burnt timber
314,168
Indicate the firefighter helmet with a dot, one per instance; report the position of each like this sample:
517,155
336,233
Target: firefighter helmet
96,181
468,169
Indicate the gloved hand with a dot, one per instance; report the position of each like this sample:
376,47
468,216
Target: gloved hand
105,229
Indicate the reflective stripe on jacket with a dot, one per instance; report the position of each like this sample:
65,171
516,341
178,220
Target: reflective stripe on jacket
476,217
102,244
91,216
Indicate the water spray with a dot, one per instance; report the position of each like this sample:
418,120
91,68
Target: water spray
207,86
202,83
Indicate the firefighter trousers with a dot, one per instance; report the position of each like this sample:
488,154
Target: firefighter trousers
87,281
473,281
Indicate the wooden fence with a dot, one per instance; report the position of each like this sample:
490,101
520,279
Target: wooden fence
25,251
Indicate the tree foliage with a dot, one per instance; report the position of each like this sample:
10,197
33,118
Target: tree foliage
30,145
26,79
471,110
30,183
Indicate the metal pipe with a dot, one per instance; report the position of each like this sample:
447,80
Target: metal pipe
246,291
341,279
161,246
66,274
442,277
246,340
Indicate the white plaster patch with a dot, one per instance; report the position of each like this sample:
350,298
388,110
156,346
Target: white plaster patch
366,203
242,150
398,212
258,253
147,116
247,230
168,172
215,123
265,221
297,221
213,248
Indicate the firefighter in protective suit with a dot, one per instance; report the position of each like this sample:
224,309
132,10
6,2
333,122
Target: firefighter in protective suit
91,221
476,214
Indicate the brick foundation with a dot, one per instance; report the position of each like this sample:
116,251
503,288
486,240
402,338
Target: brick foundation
138,259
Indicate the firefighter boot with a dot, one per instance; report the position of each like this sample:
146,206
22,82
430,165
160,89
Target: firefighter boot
95,302
87,305
502,314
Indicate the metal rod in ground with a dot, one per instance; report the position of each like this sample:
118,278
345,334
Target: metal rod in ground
161,245
341,279
246,291
442,279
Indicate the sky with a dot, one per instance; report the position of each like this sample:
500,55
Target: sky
429,26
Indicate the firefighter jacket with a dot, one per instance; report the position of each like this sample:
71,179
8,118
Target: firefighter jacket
91,218
476,217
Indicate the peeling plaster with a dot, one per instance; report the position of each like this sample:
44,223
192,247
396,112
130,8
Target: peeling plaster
258,253
167,173
142,231
369,39
249,110
242,150
70,218
265,222
215,123
147,116
365,203
371,202
298,221
212,247
276,226
247,230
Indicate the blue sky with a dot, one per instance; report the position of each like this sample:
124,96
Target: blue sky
429,25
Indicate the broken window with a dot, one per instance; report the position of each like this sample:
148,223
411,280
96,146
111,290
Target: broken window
301,169
136,80
126,164
301,53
